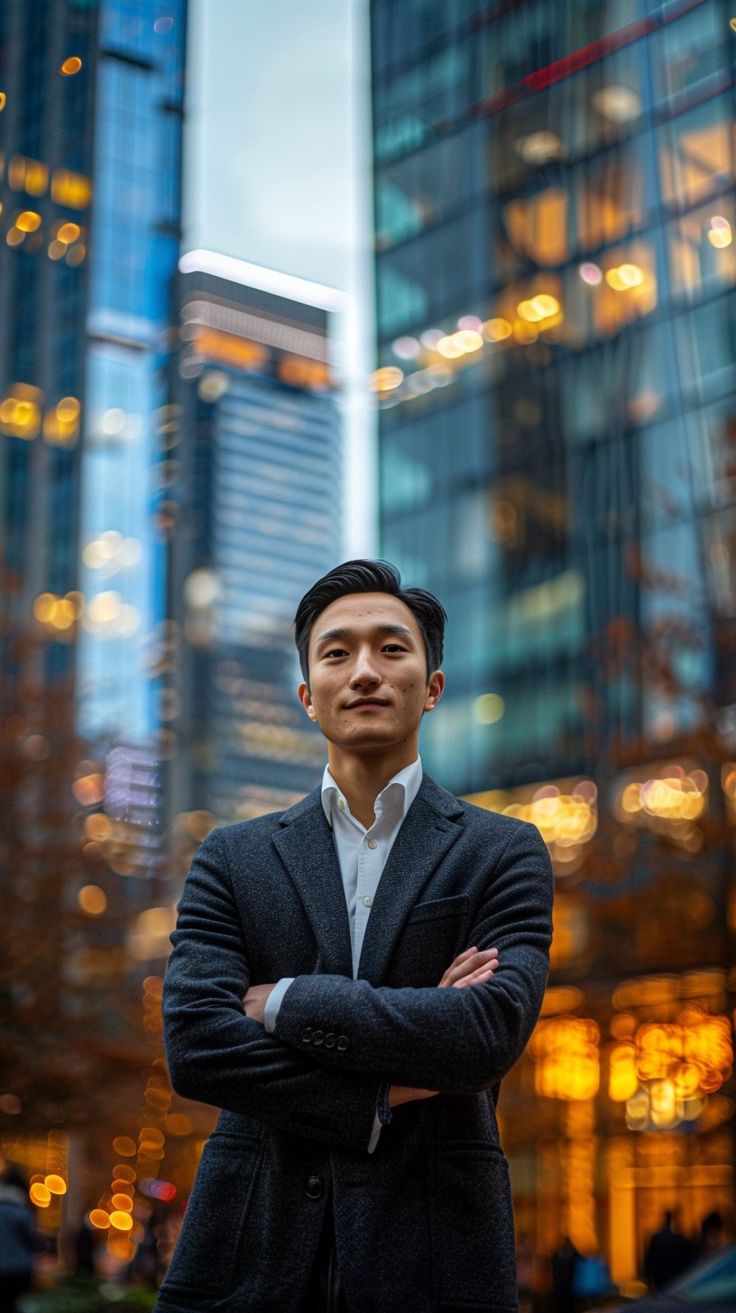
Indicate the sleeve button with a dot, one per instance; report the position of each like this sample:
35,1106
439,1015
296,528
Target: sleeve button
329,1041
307,1035
343,1043
318,1037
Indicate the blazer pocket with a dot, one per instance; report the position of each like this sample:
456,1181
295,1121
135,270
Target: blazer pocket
436,908
208,1249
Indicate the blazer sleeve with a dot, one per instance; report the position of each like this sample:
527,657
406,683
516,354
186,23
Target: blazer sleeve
218,1055
444,1039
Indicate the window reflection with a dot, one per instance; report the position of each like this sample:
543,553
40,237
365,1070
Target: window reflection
696,152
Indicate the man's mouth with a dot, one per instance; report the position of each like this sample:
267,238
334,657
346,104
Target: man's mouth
367,702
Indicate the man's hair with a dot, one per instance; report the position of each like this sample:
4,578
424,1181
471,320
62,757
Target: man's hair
370,577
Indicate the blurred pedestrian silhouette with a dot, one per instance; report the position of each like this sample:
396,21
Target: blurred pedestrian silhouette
712,1235
17,1239
667,1254
564,1263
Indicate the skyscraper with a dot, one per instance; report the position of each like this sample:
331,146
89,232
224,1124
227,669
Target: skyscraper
261,519
91,97
555,271
91,150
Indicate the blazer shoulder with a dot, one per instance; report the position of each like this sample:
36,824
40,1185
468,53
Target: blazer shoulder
236,833
260,828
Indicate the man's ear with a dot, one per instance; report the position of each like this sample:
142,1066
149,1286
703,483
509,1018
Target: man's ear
305,698
435,689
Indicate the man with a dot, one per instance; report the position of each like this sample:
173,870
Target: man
667,1254
350,981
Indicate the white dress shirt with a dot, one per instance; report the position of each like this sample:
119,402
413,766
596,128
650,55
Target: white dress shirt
362,855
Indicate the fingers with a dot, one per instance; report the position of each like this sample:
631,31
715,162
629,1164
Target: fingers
468,963
479,977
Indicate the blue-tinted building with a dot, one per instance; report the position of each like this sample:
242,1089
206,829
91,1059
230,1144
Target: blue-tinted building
91,111
261,519
555,276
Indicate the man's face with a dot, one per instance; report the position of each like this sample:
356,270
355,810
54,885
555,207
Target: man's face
368,682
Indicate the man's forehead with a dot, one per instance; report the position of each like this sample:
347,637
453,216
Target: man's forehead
358,611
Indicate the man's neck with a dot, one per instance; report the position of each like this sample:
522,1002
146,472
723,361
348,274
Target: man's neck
361,778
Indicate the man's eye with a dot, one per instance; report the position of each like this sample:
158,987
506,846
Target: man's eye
394,647
335,652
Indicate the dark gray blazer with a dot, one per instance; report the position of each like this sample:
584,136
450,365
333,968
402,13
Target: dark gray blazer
423,1224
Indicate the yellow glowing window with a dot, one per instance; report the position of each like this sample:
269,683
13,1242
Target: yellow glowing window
538,226
695,159
565,1051
230,349
72,189
610,204
20,412
28,221
628,289
29,175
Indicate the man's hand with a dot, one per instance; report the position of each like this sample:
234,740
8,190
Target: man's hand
473,967
254,1003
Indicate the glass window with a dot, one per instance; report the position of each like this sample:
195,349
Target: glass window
704,341
701,248
688,49
696,153
408,106
537,226
610,195
432,276
419,191
446,448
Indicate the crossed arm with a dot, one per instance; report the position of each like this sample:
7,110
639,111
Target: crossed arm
451,1038
473,967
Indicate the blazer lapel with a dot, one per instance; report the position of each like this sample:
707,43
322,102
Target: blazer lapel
428,832
305,844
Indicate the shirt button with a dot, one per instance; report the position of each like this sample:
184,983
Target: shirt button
367,901
372,843
341,804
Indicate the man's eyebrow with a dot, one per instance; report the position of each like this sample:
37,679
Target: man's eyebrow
400,631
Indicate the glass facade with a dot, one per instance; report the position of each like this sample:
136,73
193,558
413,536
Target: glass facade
129,456
91,95
555,269
261,489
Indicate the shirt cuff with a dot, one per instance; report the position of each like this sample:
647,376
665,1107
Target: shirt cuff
375,1133
273,1002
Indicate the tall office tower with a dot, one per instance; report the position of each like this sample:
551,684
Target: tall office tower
260,521
555,274
90,139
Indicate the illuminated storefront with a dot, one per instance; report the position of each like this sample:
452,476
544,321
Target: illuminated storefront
555,270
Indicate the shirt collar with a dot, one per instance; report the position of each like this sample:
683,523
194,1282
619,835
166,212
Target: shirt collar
408,779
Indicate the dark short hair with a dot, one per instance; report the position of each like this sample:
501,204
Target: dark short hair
370,577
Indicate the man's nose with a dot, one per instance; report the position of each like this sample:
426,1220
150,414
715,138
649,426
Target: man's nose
364,673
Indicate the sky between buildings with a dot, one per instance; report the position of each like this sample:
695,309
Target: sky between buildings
277,173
